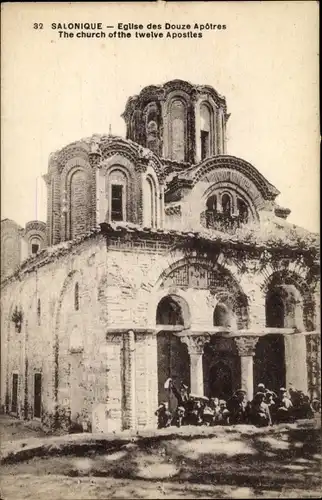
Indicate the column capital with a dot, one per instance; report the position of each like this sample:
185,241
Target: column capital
195,343
246,345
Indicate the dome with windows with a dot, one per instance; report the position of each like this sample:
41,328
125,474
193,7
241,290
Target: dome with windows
178,121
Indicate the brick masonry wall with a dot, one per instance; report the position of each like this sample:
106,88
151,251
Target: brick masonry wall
79,201
10,247
80,353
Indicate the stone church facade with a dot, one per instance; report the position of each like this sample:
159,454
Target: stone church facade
162,256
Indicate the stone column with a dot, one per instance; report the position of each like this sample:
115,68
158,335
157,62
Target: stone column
129,380
246,350
195,344
295,361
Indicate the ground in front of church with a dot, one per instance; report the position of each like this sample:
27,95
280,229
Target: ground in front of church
236,462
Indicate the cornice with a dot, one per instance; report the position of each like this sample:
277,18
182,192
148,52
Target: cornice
160,93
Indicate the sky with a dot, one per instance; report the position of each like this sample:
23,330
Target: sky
56,91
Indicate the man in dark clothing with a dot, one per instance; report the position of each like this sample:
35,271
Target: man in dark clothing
178,416
259,414
182,394
238,407
164,416
284,407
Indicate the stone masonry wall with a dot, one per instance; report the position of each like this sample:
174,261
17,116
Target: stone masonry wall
83,352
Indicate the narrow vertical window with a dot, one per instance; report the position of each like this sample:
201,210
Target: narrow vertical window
226,204
14,395
212,203
204,144
117,202
242,211
76,297
34,248
37,395
205,131
39,312
177,130
150,203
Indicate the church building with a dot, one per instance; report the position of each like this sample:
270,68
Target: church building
162,256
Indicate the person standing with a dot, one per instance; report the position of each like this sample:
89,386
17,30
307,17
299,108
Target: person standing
238,407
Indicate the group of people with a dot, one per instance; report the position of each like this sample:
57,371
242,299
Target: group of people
266,408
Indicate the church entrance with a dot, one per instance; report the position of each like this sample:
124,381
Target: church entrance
269,362
172,354
173,362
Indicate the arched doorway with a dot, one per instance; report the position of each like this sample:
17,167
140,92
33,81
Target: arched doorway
269,362
172,355
220,381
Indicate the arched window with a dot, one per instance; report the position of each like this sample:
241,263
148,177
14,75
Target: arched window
39,312
35,245
150,205
212,203
173,310
275,309
242,210
76,297
177,130
169,312
118,193
226,204
205,131
78,209
222,316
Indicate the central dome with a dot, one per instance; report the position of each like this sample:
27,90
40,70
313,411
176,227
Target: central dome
178,121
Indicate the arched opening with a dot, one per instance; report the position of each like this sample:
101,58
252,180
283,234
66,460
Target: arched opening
177,130
117,180
226,204
205,131
35,245
269,362
173,362
212,203
172,354
150,204
242,211
222,316
172,310
220,381
275,309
